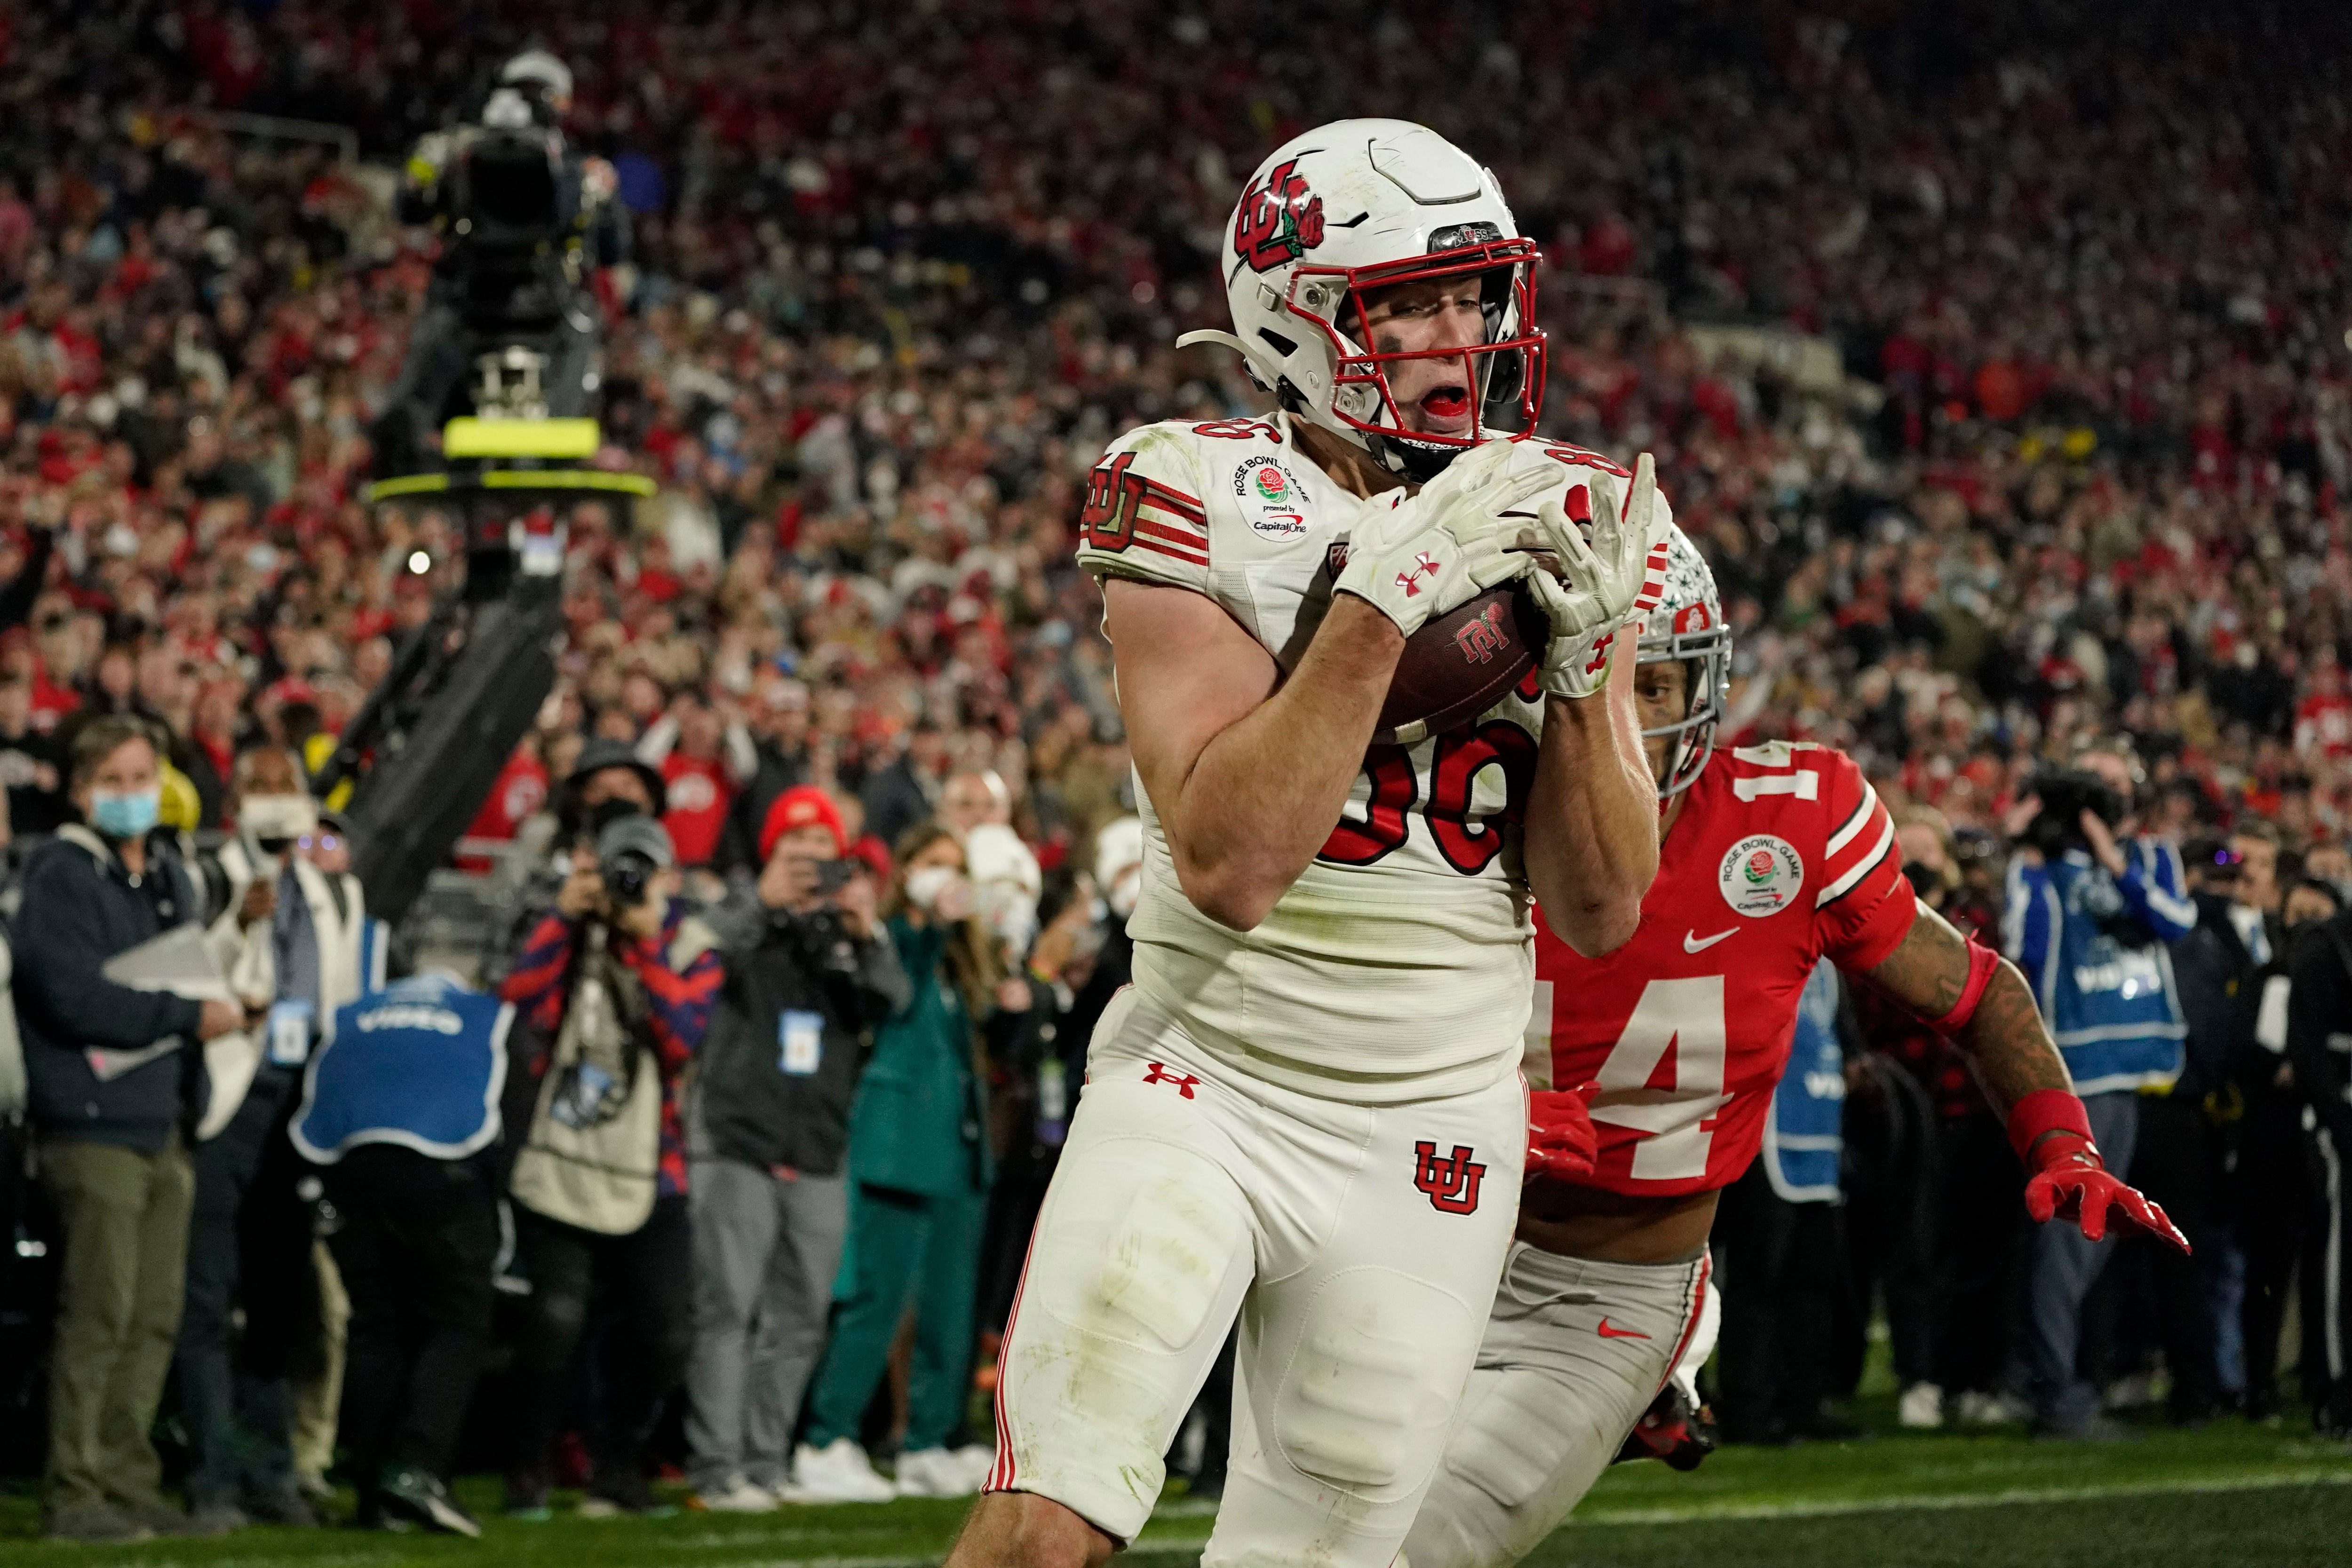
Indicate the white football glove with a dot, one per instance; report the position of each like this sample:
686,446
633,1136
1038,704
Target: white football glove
1607,579
1446,545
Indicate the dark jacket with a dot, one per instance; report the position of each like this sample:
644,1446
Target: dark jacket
895,799
80,908
738,841
2319,1021
2221,988
762,1104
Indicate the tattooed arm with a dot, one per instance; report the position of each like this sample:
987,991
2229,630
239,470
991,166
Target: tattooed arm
2006,1043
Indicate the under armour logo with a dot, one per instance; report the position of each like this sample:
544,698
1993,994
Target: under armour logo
1160,1074
1409,579
1451,1183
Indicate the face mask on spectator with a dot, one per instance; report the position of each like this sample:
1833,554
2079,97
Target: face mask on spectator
1125,892
275,820
126,816
1012,915
925,884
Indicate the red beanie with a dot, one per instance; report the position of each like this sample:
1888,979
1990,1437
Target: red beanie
797,808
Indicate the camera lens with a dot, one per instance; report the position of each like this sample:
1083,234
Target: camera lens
625,876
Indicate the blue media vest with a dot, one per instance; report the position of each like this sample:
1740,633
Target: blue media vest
419,1064
1803,1137
2112,1006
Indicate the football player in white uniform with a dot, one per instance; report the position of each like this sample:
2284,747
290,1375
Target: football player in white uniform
1306,1113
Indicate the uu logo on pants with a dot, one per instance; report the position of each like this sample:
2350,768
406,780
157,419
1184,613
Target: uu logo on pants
1451,1183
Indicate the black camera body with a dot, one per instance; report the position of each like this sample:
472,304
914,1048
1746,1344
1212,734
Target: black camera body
631,849
822,939
627,875
2065,795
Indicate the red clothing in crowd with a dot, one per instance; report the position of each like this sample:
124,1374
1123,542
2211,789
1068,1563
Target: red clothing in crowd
699,794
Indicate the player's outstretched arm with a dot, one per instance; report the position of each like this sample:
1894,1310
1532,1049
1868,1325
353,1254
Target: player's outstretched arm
1981,1002
1591,832
1248,772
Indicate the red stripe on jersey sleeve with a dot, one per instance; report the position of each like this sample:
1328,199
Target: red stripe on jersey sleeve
1171,525
1189,556
1865,906
1168,498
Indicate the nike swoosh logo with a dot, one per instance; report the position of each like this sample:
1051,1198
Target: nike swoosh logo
1609,1332
1695,942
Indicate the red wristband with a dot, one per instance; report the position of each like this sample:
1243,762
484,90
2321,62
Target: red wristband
1982,962
2046,1111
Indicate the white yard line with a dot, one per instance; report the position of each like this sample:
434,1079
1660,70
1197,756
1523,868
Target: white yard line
1906,1502
1703,1513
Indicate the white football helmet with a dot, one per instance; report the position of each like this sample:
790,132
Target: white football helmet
541,71
1688,628
1365,204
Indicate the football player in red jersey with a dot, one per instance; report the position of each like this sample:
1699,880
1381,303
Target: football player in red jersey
1666,1053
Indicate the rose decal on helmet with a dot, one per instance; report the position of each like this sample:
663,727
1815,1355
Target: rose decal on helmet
1278,221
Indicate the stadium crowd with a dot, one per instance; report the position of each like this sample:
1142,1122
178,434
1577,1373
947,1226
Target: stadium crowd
1990,359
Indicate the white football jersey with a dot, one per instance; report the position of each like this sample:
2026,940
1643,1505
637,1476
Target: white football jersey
1399,964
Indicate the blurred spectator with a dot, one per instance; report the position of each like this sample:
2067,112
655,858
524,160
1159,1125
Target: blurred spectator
2272,1195
614,990
603,772
249,1288
29,765
778,722
2086,919
400,1108
921,1165
1777,1243
770,1202
2318,1003
974,796
701,758
115,1080
903,791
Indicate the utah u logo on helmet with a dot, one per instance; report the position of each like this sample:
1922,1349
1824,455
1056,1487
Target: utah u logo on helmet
1278,220
1453,1183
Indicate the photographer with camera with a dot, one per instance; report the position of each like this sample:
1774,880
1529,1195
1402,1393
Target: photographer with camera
2092,906
614,990
770,1202
524,223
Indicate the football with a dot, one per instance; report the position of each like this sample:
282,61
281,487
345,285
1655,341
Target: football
1460,663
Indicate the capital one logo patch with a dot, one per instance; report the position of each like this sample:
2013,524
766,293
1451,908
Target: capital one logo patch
1451,1183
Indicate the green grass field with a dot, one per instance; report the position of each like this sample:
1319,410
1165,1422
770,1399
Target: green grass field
2229,1494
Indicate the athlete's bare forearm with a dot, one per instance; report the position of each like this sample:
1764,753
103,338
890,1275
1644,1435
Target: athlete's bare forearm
2006,1043
1248,775
1266,792
1592,816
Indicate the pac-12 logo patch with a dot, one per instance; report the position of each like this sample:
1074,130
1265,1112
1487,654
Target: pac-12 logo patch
1760,876
1451,1183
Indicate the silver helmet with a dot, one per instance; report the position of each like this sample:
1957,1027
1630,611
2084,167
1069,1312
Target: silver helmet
1688,628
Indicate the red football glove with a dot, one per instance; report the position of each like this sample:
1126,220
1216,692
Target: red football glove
2071,1182
1561,1142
